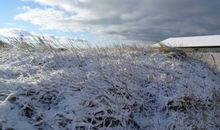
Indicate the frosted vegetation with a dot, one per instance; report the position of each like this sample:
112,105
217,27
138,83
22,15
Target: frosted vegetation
118,88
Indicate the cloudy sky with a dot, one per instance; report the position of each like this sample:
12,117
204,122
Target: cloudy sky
150,20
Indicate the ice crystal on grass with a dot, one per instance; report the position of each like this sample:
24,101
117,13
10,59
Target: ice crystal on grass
106,88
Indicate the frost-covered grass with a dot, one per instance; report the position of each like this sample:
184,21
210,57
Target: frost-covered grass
118,88
211,58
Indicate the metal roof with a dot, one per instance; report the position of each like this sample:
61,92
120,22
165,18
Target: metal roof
194,41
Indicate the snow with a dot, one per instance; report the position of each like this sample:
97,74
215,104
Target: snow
194,41
107,88
14,35
14,32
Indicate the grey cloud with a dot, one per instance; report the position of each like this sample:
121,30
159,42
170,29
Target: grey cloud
148,19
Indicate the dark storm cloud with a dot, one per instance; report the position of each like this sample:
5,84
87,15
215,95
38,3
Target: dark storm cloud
136,19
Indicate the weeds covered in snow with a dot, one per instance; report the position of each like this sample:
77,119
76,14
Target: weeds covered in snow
121,87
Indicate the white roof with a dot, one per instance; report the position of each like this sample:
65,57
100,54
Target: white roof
195,41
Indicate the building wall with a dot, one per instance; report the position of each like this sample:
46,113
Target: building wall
200,49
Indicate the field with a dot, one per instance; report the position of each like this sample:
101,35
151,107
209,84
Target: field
119,87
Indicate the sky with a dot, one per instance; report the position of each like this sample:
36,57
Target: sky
92,20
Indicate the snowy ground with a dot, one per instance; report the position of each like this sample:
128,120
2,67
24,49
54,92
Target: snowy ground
102,89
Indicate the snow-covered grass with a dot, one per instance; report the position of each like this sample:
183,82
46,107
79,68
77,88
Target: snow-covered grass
120,87
211,58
